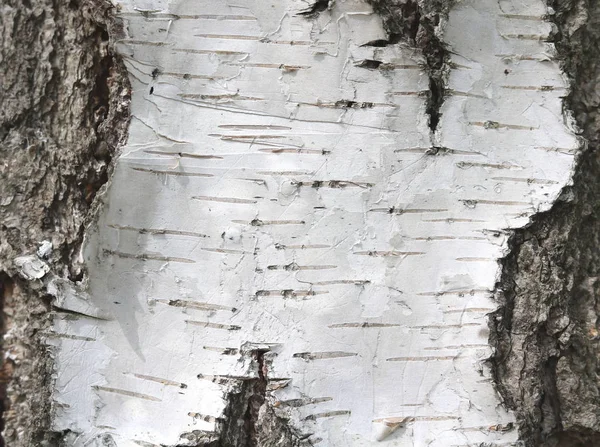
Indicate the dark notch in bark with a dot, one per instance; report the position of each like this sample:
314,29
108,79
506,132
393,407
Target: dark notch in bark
437,60
256,400
315,9
249,420
65,110
545,335
416,22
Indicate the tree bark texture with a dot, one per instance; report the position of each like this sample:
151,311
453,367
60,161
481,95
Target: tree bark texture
64,110
317,208
545,334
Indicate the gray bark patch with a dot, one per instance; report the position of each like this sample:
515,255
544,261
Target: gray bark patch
545,335
65,108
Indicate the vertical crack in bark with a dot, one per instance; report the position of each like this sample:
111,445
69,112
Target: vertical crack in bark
546,333
437,69
420,24
249,419
65,110
256,400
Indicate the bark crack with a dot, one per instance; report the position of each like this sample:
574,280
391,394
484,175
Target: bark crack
316,8
256,400
420,24
249,419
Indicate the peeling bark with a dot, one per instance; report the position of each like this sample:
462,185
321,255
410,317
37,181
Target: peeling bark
64,111
546,361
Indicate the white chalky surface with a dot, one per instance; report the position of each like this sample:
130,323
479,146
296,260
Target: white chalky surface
250,208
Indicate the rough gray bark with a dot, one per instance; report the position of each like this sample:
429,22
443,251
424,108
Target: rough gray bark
64,109
546,336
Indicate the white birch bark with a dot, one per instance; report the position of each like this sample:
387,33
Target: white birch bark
276,195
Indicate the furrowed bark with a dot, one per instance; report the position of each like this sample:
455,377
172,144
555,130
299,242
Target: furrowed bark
546,333
64,108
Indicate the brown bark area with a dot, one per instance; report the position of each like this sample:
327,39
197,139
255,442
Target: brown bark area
64,109
547,359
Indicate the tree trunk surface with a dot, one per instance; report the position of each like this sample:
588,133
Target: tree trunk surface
335,223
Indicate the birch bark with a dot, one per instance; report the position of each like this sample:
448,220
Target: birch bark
288,231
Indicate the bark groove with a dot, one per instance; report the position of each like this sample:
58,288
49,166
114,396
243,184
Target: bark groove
250,419
420,24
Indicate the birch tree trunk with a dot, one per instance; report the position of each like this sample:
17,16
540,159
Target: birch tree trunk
310,223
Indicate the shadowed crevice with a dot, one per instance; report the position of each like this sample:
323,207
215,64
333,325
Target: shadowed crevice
249,419
418,23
